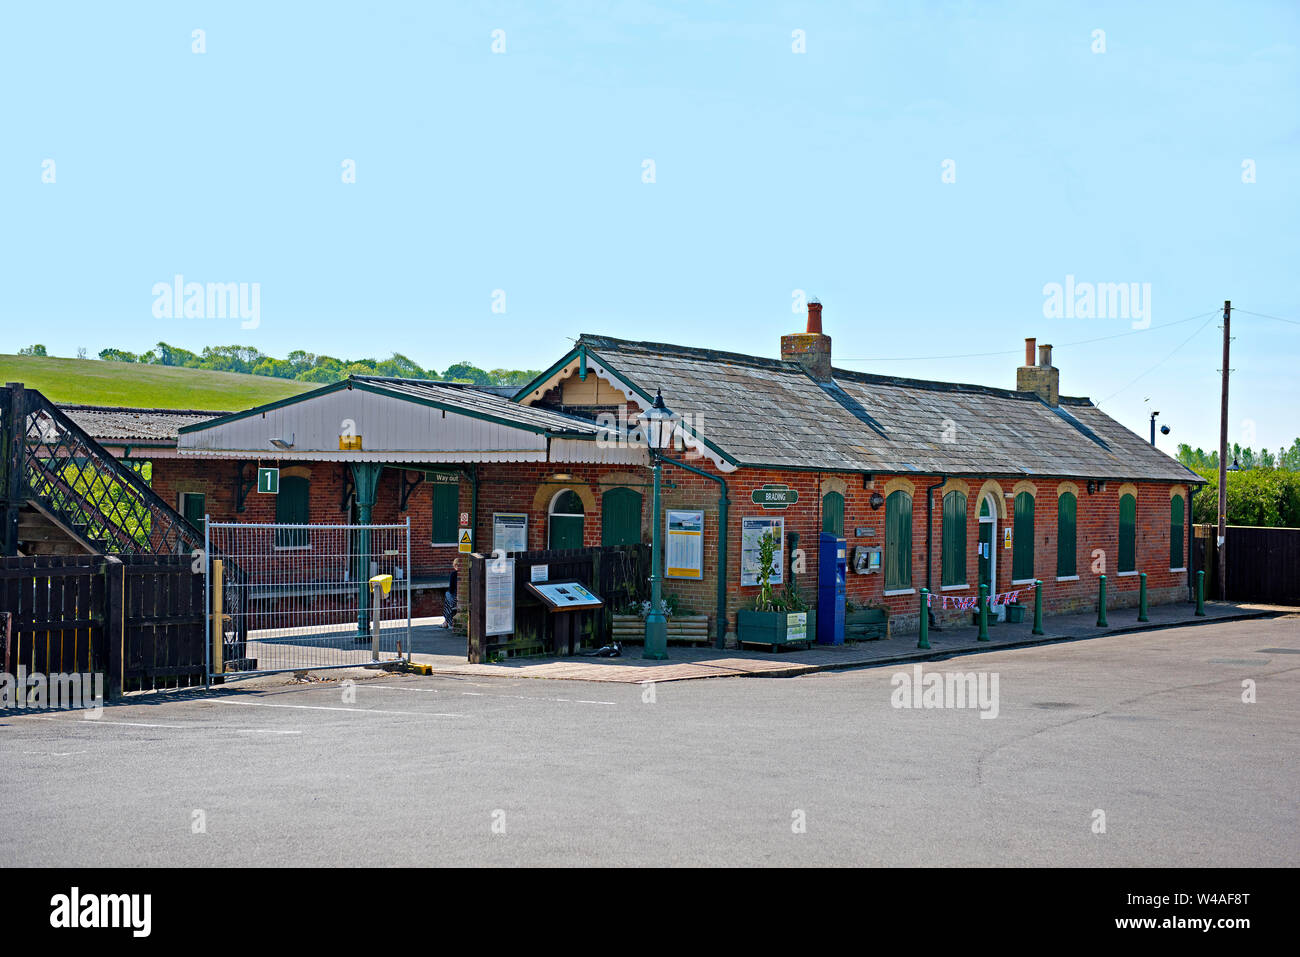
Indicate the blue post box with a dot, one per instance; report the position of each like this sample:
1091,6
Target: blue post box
832,574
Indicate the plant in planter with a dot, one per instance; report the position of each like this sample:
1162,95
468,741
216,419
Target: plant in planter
776,618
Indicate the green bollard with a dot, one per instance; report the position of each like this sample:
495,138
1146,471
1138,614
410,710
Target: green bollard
1200,593
1142,597
984,614
1038,608
925,619
1101,603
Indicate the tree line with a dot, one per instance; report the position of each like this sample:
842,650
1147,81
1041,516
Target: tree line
1263,490
304,366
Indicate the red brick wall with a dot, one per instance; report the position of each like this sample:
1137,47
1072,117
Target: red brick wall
510,487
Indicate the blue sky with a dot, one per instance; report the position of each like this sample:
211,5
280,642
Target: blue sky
775,171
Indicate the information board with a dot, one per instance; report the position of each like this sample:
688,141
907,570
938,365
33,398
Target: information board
684,552
565,595
751,530
499,597
510,531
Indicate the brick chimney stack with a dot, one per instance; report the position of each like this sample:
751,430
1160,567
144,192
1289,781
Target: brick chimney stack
1043,378
811,349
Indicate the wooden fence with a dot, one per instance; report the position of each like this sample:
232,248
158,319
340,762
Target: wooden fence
138,619
1263,564
619,574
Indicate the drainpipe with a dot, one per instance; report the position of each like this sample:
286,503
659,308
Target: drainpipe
929,543
1190,526
721,641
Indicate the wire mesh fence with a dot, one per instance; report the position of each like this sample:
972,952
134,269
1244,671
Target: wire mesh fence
299,598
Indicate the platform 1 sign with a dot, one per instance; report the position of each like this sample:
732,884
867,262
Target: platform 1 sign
268,481
774,496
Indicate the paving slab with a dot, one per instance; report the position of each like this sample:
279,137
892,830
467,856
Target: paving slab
444,652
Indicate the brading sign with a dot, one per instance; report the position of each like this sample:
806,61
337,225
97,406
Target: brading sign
268,481
774,496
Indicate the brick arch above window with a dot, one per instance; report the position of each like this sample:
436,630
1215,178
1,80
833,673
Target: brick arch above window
955,485
548,490
994,489
1128,488
833,484
1067,487
1177,491
1024,485
296,471
898,483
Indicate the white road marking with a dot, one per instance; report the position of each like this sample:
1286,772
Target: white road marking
321,707
264,731
193,725
481,694
56,754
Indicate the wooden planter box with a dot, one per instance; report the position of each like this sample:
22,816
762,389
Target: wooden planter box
685,628
866,624
774,628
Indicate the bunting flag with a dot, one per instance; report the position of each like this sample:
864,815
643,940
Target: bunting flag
954,601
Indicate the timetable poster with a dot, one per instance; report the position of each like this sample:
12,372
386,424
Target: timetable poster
752,531
684,555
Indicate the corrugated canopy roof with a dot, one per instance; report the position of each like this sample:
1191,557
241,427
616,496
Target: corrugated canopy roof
114,424
769,412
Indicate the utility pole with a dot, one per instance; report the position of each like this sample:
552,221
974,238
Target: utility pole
1223,454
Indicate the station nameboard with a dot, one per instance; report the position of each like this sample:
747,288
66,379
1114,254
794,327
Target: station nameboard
774,496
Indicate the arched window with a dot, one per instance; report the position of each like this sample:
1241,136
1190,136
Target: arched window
291,509
1177,553
954,539
620,517
1022,539
566,518
1067,511
1127,533
898,541
833,514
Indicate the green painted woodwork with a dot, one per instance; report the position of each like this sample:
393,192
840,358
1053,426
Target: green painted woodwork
954,539
620,517
291,509
1177,545
1067,511
1022,538
833,514
898,541
1127,533
446,513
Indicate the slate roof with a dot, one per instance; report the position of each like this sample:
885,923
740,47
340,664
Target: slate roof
114,424
483,401
769,412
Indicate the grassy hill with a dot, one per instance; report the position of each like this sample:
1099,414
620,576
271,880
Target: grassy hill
95,382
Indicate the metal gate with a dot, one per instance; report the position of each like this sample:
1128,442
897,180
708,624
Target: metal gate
298,597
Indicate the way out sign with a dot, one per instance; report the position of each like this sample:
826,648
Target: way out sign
268,481
774,496
463,542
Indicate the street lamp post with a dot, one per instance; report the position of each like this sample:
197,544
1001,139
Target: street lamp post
659,426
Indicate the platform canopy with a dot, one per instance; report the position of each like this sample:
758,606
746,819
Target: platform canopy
376,419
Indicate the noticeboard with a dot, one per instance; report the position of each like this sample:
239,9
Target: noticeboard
684,552
510,532
752,531
499,597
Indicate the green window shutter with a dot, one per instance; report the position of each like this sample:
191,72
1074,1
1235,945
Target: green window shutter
1176,543
833,514
954,539
620,517
1067,508
446,513
1022,543
291,509
1128,534
195,508
898,541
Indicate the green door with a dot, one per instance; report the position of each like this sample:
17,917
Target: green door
986,550
620,517
194,505
567,515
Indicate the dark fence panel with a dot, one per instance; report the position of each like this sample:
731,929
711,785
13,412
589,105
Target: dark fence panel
618,574
139,619
1263,564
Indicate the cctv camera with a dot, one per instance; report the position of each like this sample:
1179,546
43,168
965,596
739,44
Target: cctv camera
1164,430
